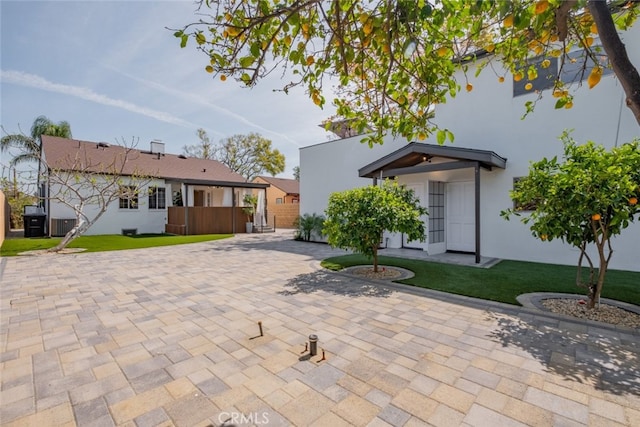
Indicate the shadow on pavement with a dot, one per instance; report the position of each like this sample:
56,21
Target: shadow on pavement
600,358
333,283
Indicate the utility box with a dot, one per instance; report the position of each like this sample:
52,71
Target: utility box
34,221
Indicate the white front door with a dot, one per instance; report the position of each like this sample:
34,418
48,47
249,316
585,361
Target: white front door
461,227
418,189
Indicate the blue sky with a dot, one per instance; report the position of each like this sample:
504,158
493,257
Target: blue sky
113,70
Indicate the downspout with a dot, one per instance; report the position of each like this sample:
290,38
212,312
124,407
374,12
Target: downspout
615,144
477,207
48,199
265,220
233,210
186,209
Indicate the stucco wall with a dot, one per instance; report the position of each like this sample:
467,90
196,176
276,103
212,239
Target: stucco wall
490,118
143,219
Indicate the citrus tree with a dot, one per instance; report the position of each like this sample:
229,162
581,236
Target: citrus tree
357,218
584,200
391,61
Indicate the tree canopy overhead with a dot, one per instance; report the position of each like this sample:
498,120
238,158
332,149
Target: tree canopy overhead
391,61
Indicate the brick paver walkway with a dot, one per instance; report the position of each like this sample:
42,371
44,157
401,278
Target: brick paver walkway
169,336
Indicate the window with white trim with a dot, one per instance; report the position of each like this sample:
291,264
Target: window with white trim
128,197
436,212
157,198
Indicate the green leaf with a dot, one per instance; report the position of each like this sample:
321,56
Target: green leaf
426,11
441,136
450,135
184,40
255,49
200,39
560,103
246,62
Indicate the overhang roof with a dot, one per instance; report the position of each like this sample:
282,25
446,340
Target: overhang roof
404,160
60,153
288,186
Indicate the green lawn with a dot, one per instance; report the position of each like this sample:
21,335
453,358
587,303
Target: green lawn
503,282
108,242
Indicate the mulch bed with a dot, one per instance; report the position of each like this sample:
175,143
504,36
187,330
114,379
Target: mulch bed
604,313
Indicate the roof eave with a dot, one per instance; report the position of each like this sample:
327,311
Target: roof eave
487,159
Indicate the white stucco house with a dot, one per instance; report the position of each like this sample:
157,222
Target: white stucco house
466,184
181,195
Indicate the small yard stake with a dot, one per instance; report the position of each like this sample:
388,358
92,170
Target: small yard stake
306,347
260,326
323,358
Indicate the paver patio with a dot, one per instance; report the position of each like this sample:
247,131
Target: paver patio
169,336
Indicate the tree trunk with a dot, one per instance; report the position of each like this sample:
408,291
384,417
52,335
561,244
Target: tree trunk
82,225
73,234
616,51
595,295
375,259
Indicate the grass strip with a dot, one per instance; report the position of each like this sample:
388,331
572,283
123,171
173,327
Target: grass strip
502,282
106,242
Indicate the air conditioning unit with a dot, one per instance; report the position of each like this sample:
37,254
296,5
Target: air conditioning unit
61,226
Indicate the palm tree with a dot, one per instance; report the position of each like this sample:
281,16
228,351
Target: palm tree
29,146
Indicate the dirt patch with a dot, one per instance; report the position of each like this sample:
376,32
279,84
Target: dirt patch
383,273
41,252
605,313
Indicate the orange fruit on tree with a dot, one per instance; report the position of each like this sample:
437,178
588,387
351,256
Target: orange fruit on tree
543,237
594,77
442,51
596,217
469,87
541,6
633,201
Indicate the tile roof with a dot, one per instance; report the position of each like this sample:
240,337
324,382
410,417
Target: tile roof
289,186
60,152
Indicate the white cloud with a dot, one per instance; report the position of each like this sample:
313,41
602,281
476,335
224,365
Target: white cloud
37,82
198,99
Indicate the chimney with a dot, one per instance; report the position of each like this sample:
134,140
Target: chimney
157,147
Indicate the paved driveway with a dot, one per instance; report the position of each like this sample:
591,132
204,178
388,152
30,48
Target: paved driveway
169,336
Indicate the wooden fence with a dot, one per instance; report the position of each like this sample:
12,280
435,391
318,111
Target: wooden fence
285,214
200,220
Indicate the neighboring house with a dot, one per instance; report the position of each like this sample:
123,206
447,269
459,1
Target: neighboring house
466,184
283,198
185,195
